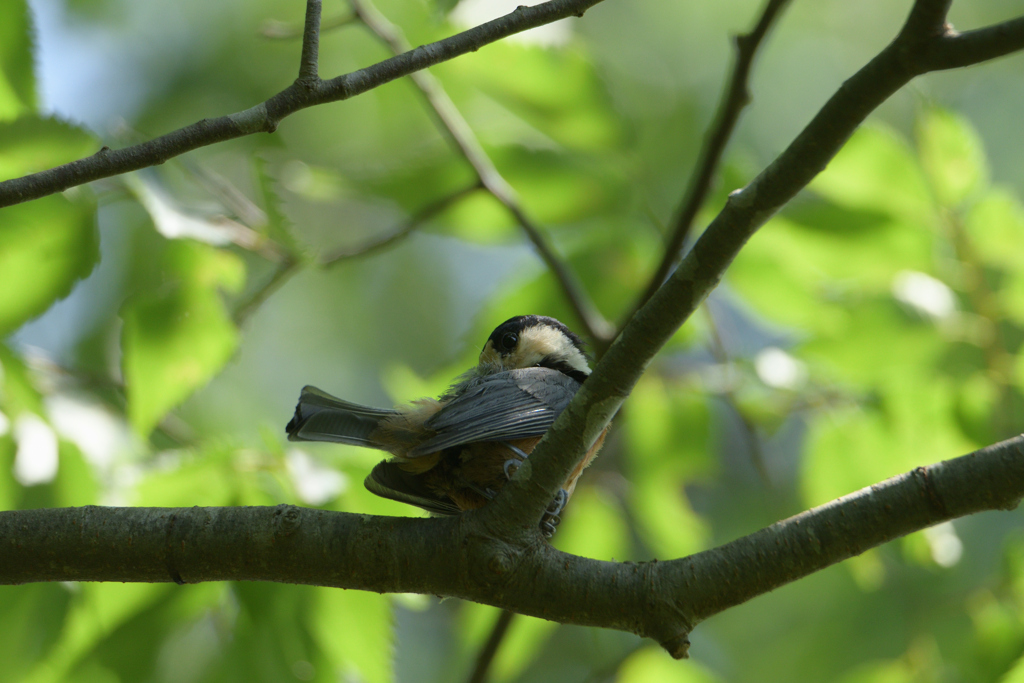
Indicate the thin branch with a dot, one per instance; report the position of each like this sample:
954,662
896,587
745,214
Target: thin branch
734,100
265,117
459,556
466,142
414,222
310,59
963,49
485,657
729,395
284,271
521,503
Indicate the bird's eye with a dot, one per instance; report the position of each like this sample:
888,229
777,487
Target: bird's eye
509,341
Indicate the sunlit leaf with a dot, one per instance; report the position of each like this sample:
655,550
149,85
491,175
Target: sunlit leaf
952,156
31,143
203,479
46,246
591,508
877,171
279,226
995,228
75,484
522,644
17,81
667,522
354,628
652,664
881,672
270,639
479,218
17,390
9,488
97,609
177,338
31,619
667,430
850,449
558,92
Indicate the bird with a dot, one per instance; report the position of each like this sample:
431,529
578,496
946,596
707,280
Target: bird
455,452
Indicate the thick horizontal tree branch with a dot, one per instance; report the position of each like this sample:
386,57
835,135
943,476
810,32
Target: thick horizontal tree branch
924,43
458,556
306,91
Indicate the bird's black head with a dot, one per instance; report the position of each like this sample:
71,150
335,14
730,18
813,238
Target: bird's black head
536,340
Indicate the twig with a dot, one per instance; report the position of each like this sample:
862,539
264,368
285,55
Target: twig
415,221
729,394
734,100
491,179
265,117
284,271
309,62
486,655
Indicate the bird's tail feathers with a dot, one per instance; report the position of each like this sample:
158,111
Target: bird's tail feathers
322,417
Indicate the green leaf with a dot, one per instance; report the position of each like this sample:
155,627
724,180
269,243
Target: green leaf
17,82
33,143
48,244
667,432
995,228
445,6
177,338
45,247
538,97
96,611
589,509
31,619
912,426
17,391
354,629
279,226
651,664
75,484
952,156
877,171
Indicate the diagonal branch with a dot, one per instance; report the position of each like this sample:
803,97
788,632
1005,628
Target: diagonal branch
919,47
265,117
734,100
490,178
485,657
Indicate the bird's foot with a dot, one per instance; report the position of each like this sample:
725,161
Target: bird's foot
512,464
550,521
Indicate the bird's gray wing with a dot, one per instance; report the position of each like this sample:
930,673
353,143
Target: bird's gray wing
515,404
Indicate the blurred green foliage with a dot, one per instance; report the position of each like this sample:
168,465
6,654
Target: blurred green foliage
874,325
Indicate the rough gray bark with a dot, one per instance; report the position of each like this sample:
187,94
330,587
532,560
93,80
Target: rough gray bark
461,557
